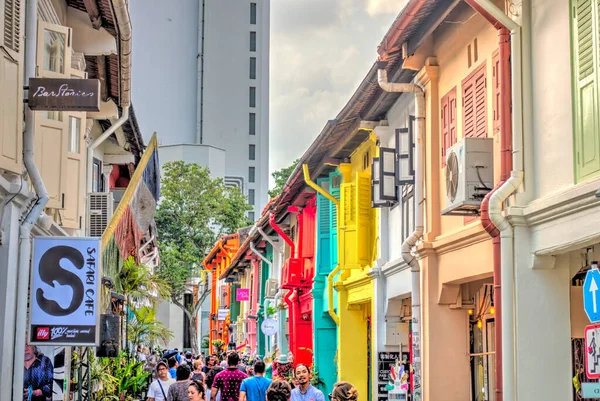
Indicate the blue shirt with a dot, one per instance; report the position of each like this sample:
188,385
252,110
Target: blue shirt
173,373
312,394
255,388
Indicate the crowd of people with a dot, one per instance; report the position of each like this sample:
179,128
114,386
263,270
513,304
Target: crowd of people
178,376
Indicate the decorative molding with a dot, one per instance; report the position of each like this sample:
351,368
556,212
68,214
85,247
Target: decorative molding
394,267
467,236
428,73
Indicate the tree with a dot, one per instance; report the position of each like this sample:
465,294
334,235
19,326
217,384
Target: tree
194,212
145,329
281,176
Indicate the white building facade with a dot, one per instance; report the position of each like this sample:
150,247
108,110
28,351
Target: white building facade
209,61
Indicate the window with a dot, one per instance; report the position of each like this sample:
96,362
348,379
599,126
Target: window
408,210
97,176
496,90
252,96
54,51
74,130
251,216
253,13
586,97
449,136
251,197
252,152
252,124
474,99
251,174
252,67
252,41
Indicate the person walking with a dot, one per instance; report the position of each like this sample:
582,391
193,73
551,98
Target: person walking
305,391
173,365
210,379
196,391
343,391
197,374
179,390
160,387
255,388
279,391
229,381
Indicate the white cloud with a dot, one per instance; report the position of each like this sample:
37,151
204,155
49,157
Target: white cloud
383,7
320,52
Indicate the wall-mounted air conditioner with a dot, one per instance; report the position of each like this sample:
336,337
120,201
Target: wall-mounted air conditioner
99,212
271,288
469,175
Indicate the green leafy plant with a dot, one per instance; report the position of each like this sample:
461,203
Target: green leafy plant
146,330
218,344
281,176
117,379
271,311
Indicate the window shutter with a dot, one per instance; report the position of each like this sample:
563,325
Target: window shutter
334,185
387,175
12,25
474,104
75,172
364,240
452,117
496,95
323,229
449,134
347,226
587,124
376,200
405,171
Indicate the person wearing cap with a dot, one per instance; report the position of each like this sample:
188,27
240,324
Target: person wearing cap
159,388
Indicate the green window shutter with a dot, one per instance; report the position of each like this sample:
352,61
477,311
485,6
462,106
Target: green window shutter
586,26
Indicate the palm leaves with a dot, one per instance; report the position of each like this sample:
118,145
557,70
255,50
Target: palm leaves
139,284
145,329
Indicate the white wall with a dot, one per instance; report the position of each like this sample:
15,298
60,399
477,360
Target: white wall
208,156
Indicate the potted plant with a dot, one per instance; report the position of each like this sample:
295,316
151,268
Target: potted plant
218,345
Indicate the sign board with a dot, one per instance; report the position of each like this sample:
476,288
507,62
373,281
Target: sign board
590,390
222,314
591,295
388,386
65,291
592,351
242,294
269,327
64,94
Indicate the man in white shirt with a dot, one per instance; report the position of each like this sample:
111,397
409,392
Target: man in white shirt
160,387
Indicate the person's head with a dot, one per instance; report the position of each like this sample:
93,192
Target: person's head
343,391
196,391
173,362
188,355
259,367
29,352
279,391
162,370
197,365
183,373
209,361
210,377
233,359
302,374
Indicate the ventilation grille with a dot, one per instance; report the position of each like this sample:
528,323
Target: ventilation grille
12,24
100,209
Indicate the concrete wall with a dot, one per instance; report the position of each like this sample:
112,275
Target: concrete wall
208,156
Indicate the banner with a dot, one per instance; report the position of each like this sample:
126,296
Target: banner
242,294
65,291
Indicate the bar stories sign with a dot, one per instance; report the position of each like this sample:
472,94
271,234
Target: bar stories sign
65,291
64,94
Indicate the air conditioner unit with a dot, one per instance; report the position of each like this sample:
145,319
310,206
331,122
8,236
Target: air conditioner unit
469,175
271,288
99,212
292,274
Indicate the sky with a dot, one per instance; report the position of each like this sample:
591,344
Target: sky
320,52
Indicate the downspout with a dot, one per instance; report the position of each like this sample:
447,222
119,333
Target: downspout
270,264
486,222
509,369
36,211
416,235
332,274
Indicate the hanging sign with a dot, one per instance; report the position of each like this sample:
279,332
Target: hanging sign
65,291
269,327
222,314
64,94
242,294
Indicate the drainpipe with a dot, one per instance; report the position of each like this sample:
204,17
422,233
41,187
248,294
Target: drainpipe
98,141
486,222
412,240
36,212
268,262
509,369
331,275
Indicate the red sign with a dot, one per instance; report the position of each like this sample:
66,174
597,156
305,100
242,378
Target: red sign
592,351
43,333
242,294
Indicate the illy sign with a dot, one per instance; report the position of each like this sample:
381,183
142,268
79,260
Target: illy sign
64,94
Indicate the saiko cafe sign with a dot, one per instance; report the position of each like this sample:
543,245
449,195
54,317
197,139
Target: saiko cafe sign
65,291
64,94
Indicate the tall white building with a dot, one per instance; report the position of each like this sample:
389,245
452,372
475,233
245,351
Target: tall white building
201,76
201,81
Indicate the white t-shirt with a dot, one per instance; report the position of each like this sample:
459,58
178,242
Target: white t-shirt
155,392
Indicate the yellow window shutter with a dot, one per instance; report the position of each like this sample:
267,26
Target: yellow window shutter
364,221
347,232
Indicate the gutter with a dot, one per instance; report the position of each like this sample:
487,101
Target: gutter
316,187
36,212
416,235
509,369
121,10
